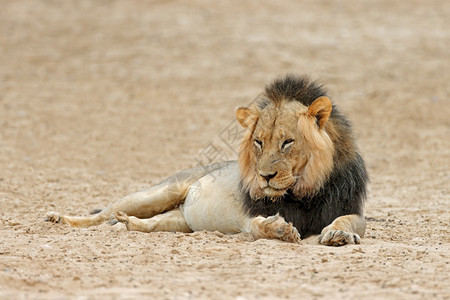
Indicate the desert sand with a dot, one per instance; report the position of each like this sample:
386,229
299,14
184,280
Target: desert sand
99,99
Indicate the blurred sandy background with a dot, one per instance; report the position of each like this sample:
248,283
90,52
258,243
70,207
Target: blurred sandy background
99,99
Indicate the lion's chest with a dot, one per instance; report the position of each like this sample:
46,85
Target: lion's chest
214,203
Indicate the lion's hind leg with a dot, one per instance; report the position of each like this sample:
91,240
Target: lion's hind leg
144,204
172,220
274,227
96,219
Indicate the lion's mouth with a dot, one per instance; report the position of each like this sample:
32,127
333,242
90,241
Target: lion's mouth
276,189
272,192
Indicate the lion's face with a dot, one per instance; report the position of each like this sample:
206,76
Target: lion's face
286,148
276,150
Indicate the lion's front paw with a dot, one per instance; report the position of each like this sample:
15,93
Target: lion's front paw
274,227
53,217
339,238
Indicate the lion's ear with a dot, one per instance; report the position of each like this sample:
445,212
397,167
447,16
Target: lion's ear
321,110
246,116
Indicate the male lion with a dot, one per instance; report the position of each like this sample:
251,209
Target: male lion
298,163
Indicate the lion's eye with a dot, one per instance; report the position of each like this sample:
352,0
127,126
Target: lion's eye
287,143
258,144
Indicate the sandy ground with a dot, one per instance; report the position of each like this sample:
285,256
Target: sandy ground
99,99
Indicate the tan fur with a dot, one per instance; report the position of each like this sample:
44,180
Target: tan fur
172,220
320,151
310,158
274,227
320,109
247,118
347,229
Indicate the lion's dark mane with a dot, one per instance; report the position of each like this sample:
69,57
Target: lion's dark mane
344,191
293,88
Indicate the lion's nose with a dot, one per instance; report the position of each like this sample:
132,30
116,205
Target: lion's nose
268,176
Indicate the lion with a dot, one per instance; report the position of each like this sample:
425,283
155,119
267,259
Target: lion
299,173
